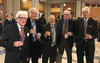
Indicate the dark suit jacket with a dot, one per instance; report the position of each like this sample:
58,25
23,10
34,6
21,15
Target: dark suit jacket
14,54
35,46
42,20
47,41
0,28
7,22
79,32
70,29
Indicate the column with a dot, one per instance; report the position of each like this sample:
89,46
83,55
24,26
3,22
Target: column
78,8
83,3
13,6
47,10
9,6
61,9
35,3
16,6
4,9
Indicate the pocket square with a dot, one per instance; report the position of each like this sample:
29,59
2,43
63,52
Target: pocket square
27,34
90,26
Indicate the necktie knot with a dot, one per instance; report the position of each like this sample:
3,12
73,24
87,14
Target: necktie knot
21,27
52,26
65,21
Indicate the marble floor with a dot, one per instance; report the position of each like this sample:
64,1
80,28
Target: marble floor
64,60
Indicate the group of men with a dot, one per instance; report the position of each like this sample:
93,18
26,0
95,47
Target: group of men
28,38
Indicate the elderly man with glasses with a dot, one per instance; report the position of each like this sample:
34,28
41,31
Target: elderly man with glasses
65,33
15,40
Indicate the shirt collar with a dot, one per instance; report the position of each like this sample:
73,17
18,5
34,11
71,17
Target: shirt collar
9,19
32,21
86,19
19,26
52,26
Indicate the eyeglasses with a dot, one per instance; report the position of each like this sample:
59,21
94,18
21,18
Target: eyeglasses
66,14
22,17
33,13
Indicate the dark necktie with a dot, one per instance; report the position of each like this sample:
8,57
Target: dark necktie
85,26
64,30
22,34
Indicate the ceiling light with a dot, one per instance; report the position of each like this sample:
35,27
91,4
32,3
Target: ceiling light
24,0
69,8
64,4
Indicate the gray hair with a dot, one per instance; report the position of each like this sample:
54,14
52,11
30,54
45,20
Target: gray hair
32,9
51,15
67,11
86,8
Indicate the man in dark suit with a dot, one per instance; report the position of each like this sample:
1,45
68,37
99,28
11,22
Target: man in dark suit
49,41
35,35
85,33
9,20
66,32
15,40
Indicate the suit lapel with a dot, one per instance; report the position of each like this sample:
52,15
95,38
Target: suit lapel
49,27
88,23
82,20
56,30
25,32
69,25
17,32
62,22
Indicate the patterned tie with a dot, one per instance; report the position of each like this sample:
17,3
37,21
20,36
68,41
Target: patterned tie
64,30
22,34
85,26
53,35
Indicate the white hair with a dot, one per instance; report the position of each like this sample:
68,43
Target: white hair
32,9
51,16
67,11
86,8
21,13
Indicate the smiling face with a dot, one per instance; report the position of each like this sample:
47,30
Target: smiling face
66,14
21,20
33,13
